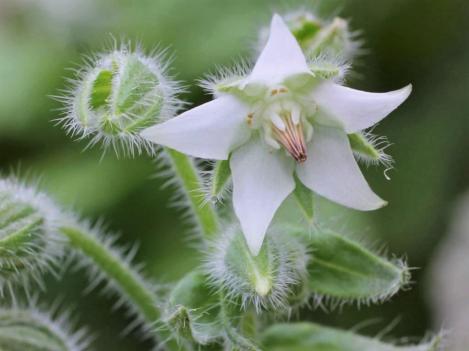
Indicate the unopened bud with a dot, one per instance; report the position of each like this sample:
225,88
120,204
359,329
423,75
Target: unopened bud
118,95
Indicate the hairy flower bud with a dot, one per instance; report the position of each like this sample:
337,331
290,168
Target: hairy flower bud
328,43
267,280
28,240
316,35
29,329
117,95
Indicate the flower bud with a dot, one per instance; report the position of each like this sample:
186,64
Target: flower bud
117,95
267,280
28,240
33,330
319,37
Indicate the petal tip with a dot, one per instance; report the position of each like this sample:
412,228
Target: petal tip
384,203
407,90
380,203
254,244
276,17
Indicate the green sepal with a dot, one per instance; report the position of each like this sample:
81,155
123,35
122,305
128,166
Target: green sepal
220,178
193,310
101,89
136,80
304,198
256,272
306,31
309,337
363,147
325,70
343,269
302,82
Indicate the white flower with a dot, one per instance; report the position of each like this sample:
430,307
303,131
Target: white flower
281,105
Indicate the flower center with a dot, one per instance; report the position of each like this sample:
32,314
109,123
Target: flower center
290,135
282,122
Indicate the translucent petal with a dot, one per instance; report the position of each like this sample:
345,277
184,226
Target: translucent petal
354,109
261,181
210,130
332,172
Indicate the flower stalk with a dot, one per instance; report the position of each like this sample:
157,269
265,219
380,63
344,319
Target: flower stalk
203,212
127,280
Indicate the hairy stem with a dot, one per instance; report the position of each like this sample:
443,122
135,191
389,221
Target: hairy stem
127,280
187,172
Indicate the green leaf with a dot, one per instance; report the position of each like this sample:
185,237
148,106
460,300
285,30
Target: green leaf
304,199
343,269
313,337
193,310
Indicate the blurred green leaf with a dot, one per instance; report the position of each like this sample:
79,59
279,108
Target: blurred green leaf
313,337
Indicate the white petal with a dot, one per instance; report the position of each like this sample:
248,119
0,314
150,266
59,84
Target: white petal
281,57
261,181
332,172
355,109
210,130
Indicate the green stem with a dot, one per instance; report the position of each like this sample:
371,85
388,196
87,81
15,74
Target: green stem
128,280
192,183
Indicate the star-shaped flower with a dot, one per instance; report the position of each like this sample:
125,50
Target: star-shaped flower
281,106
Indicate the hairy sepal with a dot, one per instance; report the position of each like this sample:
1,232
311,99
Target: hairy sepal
265,281
342,270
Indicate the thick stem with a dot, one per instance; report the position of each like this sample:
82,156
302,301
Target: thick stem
127,280
192,183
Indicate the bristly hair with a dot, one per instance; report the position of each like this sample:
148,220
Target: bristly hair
337,65
55,320
289,257
224,76
105,284
129,143
379,143
27,263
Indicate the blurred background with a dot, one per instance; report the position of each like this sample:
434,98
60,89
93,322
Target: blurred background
423,42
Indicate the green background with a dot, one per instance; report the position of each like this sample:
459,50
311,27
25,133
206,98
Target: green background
423,42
